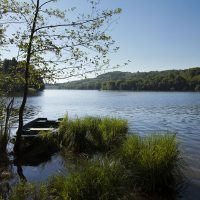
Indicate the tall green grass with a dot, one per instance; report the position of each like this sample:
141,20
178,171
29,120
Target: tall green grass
142,167
154,162
73,134
29,191
100,180
92,133
113,131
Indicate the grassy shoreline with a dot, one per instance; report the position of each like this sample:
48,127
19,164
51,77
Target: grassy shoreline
130,166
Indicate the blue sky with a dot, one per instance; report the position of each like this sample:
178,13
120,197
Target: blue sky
153,34
159,34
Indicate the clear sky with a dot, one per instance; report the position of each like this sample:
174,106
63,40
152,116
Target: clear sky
154,34
158,34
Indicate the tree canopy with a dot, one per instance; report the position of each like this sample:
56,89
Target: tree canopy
12,80
46,37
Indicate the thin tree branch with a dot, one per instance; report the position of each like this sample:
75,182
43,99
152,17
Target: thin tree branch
45,3
66,25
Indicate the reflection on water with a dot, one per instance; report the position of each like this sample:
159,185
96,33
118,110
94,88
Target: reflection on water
145,111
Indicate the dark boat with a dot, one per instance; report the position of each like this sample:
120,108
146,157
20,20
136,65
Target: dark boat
32,128
32,145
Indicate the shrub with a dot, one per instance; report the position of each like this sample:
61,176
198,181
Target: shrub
153,162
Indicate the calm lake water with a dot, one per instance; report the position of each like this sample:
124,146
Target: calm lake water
146,112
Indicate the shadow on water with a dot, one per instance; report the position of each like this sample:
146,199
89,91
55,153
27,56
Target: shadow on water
29,160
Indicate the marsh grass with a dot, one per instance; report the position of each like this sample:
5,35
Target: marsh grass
154,162
49,139
142,168
26,191
113,131
92,133
100,180
73,134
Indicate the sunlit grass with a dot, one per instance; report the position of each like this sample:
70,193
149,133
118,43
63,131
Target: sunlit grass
113,131
100,180
140,167
92,133
153,162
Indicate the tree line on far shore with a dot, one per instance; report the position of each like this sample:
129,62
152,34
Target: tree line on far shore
168,80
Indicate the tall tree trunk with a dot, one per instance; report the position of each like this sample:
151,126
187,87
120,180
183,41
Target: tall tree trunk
25,93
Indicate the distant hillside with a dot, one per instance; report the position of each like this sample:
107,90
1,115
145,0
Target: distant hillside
169,80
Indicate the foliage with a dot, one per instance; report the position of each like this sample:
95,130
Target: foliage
90,133
12,77
103,180
149,166
100,180
113,131
170,80
154,162
80,43
25,191
49,139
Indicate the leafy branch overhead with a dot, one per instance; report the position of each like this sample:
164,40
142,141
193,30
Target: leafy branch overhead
57,43
63,43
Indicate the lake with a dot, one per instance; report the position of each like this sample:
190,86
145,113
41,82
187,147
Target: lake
146,112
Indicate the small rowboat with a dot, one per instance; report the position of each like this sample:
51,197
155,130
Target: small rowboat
32,144
32,128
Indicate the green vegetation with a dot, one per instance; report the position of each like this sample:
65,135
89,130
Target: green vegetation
169,80
149,165
100,180
154,162
11,73
92,133
24,191
139,167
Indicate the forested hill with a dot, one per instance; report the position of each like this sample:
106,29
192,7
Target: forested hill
169,80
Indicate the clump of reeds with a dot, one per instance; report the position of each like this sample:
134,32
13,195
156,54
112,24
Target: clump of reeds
48,139
113,131
92,133
100,180
141,166
154,162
